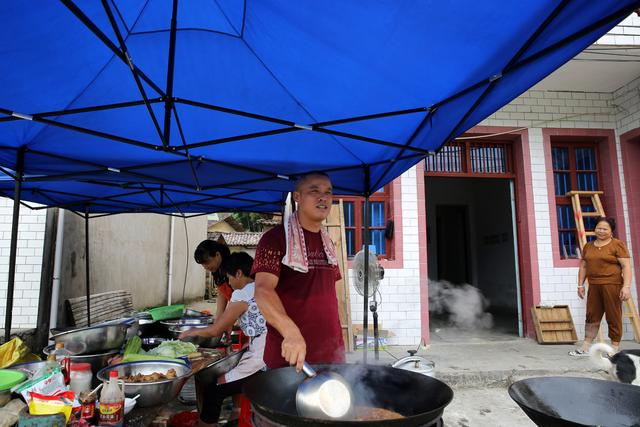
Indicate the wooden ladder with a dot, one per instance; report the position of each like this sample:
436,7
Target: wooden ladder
598,212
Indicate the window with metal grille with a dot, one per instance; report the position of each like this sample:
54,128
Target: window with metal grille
575,167
379,210
472,157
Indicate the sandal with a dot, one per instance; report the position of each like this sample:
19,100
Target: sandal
578,353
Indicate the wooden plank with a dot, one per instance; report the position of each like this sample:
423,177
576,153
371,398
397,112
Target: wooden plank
632,313
595,199
104,306
583,193
554,325
335,227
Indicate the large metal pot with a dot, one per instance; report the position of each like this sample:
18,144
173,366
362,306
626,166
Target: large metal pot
155,392
419,398
577,402
97,361
93,340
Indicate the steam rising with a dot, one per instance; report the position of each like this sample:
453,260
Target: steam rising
464,305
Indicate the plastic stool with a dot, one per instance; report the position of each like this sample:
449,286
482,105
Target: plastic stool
245,412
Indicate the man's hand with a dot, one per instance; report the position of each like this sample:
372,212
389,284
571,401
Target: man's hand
625,293
294,349
581,292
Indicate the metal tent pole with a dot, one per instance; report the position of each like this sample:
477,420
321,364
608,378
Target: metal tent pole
365,239
14,244
46,304
86,265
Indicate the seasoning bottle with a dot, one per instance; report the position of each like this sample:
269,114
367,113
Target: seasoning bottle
88,401
63,357
112,402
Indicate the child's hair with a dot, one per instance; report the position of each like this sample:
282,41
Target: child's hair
238,261
208,248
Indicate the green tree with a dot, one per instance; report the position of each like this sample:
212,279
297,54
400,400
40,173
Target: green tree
249,220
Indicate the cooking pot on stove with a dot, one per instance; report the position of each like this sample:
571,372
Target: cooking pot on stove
417,364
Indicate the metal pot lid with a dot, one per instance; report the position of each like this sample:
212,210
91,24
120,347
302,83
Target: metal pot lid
415,363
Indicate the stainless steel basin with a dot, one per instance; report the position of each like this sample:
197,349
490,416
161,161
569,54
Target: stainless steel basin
151,393
93,340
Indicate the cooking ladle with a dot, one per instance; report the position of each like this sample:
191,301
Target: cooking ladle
324,395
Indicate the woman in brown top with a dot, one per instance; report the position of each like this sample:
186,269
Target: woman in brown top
606,265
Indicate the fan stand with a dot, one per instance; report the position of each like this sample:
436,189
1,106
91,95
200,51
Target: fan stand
376,333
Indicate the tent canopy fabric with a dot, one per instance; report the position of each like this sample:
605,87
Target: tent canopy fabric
212,94
96,197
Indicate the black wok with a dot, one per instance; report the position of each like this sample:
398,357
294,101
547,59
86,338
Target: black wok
421,399
566,401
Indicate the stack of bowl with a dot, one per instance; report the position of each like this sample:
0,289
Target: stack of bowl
94,345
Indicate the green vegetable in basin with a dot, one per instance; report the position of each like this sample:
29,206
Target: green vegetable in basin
173,349
147,357
134,345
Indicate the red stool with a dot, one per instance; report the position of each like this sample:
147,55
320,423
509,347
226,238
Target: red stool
245,412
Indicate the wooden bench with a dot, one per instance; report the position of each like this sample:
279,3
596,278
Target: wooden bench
105,306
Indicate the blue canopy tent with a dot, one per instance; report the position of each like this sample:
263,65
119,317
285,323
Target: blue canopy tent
93,200
248,94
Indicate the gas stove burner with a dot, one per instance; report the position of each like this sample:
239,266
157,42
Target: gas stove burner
258,420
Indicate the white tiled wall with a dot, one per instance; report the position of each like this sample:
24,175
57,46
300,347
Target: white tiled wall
399,311
625,33
619,111
534,110
28,263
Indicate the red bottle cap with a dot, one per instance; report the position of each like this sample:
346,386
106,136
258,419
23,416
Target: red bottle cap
113,374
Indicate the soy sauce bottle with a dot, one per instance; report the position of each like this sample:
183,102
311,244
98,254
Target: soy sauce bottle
112,402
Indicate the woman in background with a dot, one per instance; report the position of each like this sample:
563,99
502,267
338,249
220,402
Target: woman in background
606,265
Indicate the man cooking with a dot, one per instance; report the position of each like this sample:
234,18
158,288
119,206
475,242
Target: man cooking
295,274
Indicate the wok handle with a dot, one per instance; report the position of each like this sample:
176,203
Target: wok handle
308,370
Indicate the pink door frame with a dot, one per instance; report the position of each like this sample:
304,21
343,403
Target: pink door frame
525,227
630,147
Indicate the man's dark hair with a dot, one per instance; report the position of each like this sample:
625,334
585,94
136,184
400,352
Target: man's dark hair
238,261
608,220
208,248
302,178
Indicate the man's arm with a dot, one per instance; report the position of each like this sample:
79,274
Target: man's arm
294,348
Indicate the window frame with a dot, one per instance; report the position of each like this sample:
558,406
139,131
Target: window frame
384,196
469,154
559,200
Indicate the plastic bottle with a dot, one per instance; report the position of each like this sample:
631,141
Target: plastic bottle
112,402
80,377
63,357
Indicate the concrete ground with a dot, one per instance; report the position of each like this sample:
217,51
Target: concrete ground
480,366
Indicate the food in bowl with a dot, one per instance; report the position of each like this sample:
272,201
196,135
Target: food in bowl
155,376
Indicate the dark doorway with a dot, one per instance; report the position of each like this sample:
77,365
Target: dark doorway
452,244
